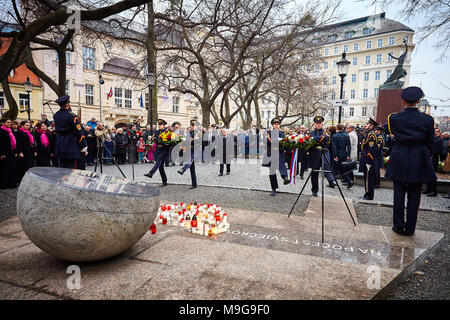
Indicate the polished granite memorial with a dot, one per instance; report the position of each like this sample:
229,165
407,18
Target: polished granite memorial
262,256
84,216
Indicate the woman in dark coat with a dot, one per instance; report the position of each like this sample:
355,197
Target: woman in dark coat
9,152
28,149
44,146
121,146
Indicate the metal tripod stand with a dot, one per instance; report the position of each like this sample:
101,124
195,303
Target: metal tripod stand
322,171
100,158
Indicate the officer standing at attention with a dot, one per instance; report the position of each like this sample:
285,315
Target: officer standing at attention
315,159
161,154
380,155
281,158
369,158
69,140
194,129
410,161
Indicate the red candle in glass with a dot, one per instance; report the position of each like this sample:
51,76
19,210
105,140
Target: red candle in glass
153,228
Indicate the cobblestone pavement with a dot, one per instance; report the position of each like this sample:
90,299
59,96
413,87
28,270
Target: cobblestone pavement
430,281
252,176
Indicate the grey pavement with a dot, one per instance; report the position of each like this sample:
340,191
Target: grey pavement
250,175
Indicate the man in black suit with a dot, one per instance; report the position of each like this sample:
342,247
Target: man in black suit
340,144
161,154
410,162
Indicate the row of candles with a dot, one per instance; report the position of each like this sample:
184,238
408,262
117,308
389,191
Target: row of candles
202,219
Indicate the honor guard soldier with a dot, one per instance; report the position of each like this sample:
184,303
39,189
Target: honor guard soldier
69,140
161,154
316,157
369,158
195,128
410,161
379,130
281,158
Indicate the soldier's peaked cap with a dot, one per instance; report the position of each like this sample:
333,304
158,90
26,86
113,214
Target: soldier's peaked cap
412,94
162,121
371,121
194,122
176,123
62,100
319,119
275,120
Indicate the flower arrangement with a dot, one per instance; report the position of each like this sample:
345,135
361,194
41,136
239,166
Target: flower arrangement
301,141
440,167
386,161
202,219
169,138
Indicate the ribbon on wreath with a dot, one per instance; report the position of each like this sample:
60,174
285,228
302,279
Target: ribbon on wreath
293,166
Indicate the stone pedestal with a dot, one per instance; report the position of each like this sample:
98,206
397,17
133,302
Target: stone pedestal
389,101
84,216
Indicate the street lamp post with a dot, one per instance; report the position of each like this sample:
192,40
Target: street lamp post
28,88
151,84
343,66
100,82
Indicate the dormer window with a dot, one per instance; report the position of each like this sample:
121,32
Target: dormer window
114,24
332,38
349,34
367,31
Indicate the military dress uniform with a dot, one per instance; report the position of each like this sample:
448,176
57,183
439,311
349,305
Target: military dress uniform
191,163
317,160
281,158
410,161
161,156
380,156
69,139
369,161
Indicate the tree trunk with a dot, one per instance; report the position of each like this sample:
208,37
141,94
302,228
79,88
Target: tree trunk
13,109
152,114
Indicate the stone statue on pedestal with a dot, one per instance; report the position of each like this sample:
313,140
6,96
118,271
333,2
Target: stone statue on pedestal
393,82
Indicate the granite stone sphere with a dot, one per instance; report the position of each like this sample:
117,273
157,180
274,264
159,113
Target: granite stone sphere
81,216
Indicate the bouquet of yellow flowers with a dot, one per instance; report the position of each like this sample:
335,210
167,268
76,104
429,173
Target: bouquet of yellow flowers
169,138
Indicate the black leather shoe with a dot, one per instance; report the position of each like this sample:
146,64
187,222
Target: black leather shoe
273,193
315,194
301,177
432,194
286,181
148,175
228,173
408,233
192,187
350,185
398,231
220,174
180,171
330,185
164,184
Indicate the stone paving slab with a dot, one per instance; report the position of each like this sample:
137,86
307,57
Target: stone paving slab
263,256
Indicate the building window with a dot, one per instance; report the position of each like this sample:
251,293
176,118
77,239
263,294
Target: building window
2,101
366,76
352,94
367,59
318,53
355,61
355,47
89,95
327,52
375,92
389,57
333,95
406,39
380,43
391,41
364,111
333,80
175,104
354,77
349,34
325,65
317,67
325,81
365,93
88,58
367,31
128,98
388,73
324,96
118,97
67,57
343,94
332,38
336,50
335,64
379,58
23,101
369,44
346,48
377,75
66,89
352,112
